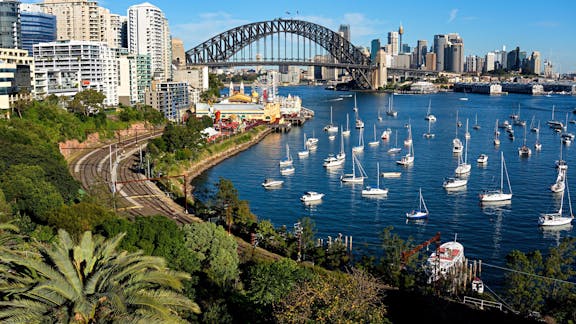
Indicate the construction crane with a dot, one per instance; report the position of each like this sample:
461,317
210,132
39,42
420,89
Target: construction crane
411,252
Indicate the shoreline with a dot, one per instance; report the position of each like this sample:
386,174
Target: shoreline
203,165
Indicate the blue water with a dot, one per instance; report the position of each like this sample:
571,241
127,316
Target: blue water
487,233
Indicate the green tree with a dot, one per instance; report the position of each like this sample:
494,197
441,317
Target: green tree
87,102
524,293
214,86
216,251
88,282
5,209
79,218
26,189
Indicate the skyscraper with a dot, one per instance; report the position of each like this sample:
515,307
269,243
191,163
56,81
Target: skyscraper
148,34
374,47
421,50
440,43
10,28
37,26
393,42
449,51
344,31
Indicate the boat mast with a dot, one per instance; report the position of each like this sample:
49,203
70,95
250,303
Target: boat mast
568,191
506,169
378,175
501,172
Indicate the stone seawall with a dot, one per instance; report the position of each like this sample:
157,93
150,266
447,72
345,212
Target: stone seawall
201,166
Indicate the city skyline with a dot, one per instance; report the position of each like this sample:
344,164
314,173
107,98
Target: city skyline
484,28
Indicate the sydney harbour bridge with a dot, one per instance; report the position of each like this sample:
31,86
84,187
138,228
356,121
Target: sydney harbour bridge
287,42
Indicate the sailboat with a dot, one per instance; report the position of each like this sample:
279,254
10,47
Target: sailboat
561,164
395,149
476,126
554,123
517,120
429,116
330,128
463,166
538,145
454,182
532,127
375,142
456,142
360,146
305,152
429,134
567,137
335,161
347,131
524,150
369,191
288,160
353,177
498,195
379,115
359,122
557,218
391,112
560,183
312,142
407,159
422,211
467,133
496,133
408,141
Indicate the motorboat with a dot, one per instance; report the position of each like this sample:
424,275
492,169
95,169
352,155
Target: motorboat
498,195
441,262
482,158
391,174
271,183
422,211
311,196
478,285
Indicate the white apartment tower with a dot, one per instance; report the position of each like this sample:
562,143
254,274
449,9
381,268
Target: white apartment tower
66,68
393,41
148,34
80,20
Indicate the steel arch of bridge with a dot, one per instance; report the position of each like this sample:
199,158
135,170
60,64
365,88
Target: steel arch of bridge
219,49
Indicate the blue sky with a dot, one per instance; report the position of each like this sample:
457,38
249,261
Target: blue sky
545,26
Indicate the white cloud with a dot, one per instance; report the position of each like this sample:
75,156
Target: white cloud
453,14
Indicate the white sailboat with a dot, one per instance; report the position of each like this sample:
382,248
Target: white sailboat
288,159
312,142
557,218
422,211
560,183
554,123
496,134
360,146
408,140
359,123
517,120
353,177
305,152
331,128
347,131
287,170
454,182
538,145
375,142
379,115
395,149
467,133
407,159
335,161
498,195
456,142
429,116
524,150
391,112
463,166
370,191
567,137
533,128
429,134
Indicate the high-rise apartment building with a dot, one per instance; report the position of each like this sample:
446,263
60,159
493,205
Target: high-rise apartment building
37,26
534,63
449,51
66,68
16,69
393,42
489,64
118,25
81,20
344,31
10,32
430,60
148,34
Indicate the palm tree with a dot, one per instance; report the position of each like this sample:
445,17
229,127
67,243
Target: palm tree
90,282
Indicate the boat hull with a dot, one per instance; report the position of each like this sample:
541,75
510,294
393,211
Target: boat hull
553,220
492,197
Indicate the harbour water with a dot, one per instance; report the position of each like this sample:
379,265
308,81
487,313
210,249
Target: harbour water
487,232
